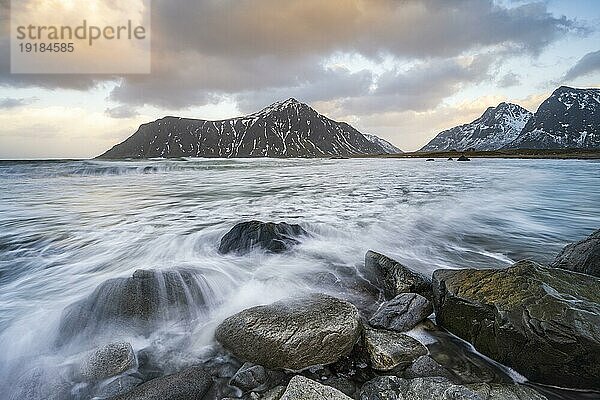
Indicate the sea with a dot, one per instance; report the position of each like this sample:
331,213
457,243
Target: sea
66,226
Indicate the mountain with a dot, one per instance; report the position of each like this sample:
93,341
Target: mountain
284,129
569,118
497,127
384,144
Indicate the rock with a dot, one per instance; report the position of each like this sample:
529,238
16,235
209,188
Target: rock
394,278
543,322
463,158
135,304
116,387
255,377
40,384
402,313
273,394
301,388
190,384
583,256
272,237
109,360
430,159
388,350
395,388
424,367
505,391
450,159
294,333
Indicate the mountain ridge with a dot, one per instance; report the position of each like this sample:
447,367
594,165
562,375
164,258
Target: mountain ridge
285,128
495,128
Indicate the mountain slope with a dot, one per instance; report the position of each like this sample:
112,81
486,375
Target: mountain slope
384,144
569,118
497,127
284,129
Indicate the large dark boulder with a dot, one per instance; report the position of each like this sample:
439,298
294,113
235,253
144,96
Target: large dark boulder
394,278
190,384
543,322
292,334
583,256
402,313
270,236
135,304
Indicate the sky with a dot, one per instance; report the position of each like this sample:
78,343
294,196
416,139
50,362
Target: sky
401,69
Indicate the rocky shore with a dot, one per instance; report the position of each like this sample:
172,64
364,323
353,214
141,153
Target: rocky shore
453,335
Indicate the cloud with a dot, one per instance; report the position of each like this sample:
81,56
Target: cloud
263,50
122,111
10,103
421,87
508,80
586,65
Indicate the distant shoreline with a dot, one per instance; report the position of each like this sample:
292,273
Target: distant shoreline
552,154
549,154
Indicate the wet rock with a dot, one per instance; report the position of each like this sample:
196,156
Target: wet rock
190,384
583,256
292,334
543,322
394,278
115,387
388,350
40,384
506,391
301,388
135,304
402,313
272,237
106,361
424,367
463,158
393,388
255,377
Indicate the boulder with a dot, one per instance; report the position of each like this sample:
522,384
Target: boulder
190,384
275,238
463,158
292,334
394,278
402,313
135,304
543,322
583,256
106,361
388,350
301,388
394,388
424,367
252,377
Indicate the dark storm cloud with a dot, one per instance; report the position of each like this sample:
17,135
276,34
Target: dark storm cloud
263,50
586,65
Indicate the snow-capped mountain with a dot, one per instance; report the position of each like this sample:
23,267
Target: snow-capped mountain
569,118
384,144
497,127
284,129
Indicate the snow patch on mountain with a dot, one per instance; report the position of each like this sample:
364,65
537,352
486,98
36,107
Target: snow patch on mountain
384,144
497,127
